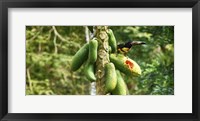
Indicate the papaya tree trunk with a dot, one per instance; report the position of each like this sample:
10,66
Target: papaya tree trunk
102,59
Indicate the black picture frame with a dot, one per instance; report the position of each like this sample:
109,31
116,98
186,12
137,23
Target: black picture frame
5,4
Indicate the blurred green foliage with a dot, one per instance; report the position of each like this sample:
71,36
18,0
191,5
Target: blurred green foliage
49,51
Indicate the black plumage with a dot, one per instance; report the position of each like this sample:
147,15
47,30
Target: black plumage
125,47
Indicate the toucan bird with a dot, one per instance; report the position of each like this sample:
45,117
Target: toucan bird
125,47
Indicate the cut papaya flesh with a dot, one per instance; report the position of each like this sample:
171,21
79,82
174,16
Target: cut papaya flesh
125,64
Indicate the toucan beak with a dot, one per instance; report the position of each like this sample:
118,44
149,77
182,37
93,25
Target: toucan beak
138,43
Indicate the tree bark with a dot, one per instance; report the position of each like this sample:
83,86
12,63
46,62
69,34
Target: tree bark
102,59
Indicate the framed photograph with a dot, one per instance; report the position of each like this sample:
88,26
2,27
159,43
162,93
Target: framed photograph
99,60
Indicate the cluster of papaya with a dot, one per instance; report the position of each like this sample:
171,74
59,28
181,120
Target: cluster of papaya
87,53
114,83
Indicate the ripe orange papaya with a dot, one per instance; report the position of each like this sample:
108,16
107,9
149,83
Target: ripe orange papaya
125,65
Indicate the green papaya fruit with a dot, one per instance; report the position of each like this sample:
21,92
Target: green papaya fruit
110,77
127,91
121,87
125,65
109,49
80,57
89,71
112,41
93,46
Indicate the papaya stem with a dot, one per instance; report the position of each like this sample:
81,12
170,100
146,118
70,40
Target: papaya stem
102,58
